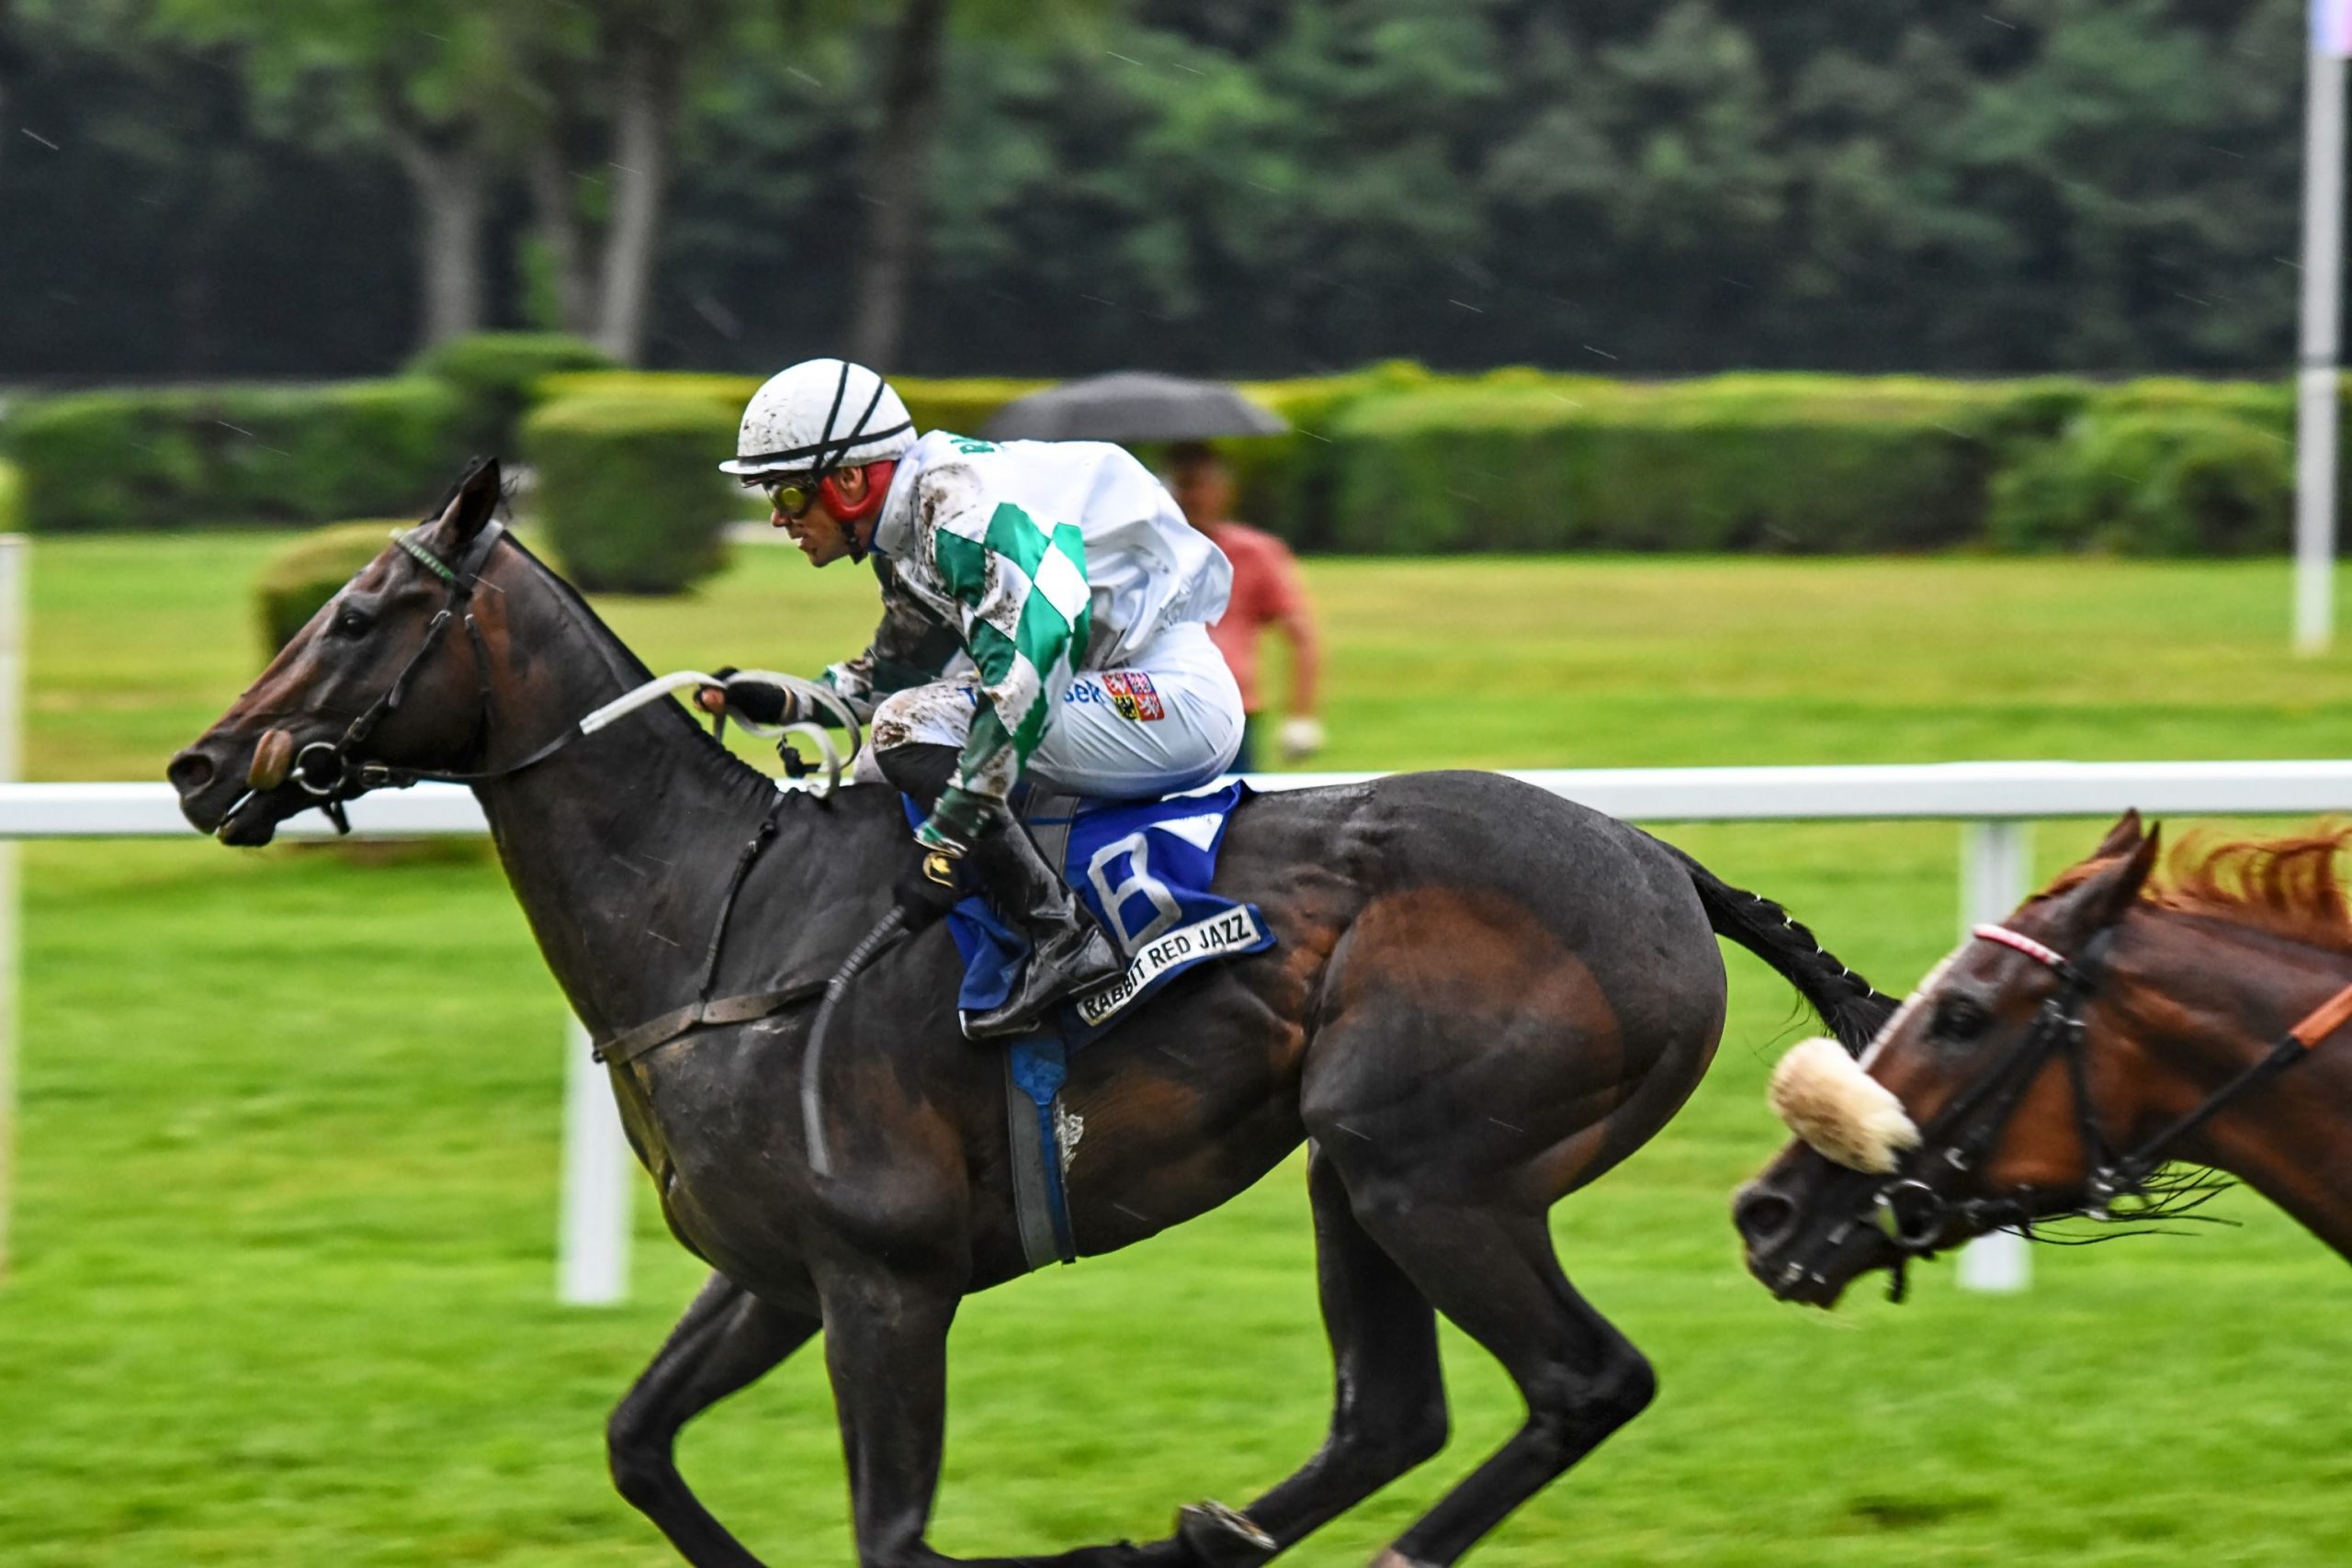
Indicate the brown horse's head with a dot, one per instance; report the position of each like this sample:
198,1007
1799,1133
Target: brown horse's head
286,743
1963,1115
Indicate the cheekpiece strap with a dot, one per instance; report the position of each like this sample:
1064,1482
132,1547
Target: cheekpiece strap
2020,943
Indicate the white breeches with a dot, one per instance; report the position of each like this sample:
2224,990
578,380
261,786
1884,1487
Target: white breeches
1169,722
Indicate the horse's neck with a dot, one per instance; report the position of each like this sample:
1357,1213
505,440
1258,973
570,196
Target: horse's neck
620,845
2216,1001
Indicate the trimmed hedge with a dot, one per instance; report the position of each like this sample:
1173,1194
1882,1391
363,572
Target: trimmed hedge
630,489
2150,480
493,375
243,454
303,576
1740,463
1392,458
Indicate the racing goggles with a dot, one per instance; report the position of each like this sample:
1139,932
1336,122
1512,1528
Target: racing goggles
792,497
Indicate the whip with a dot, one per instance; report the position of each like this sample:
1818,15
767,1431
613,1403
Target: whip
813,1118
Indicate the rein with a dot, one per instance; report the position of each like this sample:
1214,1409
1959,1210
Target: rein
1916,1217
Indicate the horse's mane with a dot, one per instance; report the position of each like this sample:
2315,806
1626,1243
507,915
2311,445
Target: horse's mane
2290,887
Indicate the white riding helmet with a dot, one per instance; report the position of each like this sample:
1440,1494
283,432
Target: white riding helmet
819,415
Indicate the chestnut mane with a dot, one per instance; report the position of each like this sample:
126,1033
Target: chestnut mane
2288,886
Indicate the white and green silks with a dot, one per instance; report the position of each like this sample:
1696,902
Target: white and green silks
1052,557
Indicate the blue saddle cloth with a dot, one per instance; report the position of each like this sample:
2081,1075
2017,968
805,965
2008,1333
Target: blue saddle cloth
1143,869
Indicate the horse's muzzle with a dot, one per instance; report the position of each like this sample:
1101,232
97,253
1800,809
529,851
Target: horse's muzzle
221,789
1805,1240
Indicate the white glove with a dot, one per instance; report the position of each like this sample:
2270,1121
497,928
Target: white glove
1301,738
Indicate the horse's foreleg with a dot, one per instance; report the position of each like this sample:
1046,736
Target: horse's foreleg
886,1348
727,1338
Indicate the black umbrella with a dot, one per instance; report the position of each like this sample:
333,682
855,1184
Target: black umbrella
1133,405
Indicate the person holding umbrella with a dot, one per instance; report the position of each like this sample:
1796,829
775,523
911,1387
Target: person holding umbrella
1267,593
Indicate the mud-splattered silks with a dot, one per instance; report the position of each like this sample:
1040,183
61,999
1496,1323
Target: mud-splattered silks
1022,587
1049,557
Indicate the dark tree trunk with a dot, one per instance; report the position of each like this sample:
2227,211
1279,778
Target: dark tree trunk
895,167
448,176
12,65
645,110
556,215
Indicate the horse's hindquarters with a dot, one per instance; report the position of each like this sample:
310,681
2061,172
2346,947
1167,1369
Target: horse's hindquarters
1472,1051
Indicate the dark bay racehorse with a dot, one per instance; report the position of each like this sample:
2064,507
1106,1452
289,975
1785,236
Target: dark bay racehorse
1482,998
2054,1064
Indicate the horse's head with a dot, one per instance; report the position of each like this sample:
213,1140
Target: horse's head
1967,1113
387,680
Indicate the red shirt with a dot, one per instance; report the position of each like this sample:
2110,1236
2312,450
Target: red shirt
1265,589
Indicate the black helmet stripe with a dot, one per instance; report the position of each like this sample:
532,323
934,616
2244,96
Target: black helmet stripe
825,454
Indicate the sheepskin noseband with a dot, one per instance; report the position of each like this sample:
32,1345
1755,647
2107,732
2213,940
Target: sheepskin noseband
1842,1113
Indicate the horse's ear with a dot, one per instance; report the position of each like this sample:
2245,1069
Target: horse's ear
2121,839
472,503
2112,888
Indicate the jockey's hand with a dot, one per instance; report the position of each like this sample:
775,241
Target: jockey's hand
1301,738
929,886
756,700
960,820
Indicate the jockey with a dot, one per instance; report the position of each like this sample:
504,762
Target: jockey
1044,612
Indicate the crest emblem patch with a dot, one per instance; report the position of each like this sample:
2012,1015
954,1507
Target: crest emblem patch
1133,695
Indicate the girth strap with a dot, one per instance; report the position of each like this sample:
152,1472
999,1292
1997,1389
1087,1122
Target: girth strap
630,1045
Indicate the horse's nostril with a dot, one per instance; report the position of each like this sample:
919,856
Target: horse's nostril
190,772
1764,1218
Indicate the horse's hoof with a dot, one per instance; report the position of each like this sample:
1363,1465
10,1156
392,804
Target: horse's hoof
1219,1536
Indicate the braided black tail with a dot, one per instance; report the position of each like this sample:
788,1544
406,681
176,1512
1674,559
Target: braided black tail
1852,1008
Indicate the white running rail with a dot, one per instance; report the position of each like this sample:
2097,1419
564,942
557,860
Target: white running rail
1995,800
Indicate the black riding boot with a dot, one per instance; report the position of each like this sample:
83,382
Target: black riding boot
1067,952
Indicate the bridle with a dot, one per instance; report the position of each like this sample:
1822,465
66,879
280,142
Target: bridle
335,772
1916,1218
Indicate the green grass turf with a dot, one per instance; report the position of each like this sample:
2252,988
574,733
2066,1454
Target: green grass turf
289,1134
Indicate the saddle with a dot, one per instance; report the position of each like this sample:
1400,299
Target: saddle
1143,871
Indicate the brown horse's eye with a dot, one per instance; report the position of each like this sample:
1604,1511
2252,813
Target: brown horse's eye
1962,1019
351,621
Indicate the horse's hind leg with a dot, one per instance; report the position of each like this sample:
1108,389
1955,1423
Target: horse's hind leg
727,1340
1388,1407
1493,1273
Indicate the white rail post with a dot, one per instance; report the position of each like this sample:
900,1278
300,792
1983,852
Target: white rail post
15,595
2322,291
1997,859
591,1252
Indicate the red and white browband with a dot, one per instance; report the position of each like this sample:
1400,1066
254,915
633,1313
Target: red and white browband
2316,1026
2021,944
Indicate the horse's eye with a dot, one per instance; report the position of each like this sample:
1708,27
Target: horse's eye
1961,1019
351,621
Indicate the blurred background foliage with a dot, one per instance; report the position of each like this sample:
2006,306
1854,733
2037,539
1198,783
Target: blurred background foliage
1275,187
